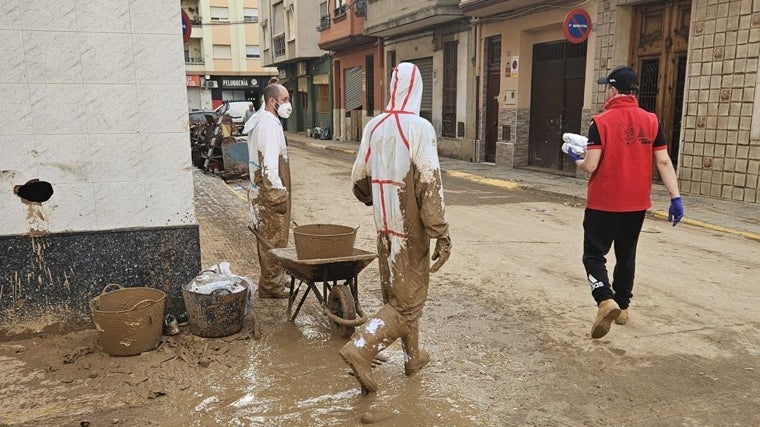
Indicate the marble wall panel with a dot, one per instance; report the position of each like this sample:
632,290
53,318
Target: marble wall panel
9,19
170,202
72,207
16,109
152,17
13,66
103,16
107,58
47,15
165,156
120,204
162,108
111,108
53,57
57,108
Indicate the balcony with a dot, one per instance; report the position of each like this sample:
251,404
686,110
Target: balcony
278,43
324,23
194,61
346,30
395,17
484,8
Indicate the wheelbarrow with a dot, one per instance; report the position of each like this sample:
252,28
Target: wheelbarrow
339,302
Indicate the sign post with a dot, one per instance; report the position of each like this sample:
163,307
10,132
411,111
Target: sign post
577,26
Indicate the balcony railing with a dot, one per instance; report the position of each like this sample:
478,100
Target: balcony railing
278,43
324,23
194,61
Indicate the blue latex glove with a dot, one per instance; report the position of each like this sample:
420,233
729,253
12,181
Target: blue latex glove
675,213
573,156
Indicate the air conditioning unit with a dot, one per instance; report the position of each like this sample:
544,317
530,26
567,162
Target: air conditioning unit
212,84
301,69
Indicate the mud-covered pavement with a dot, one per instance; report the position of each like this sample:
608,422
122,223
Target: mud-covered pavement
507,324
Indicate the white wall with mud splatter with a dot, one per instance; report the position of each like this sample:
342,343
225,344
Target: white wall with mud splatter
94,102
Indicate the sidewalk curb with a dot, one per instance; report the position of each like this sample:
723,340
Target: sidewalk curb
511,185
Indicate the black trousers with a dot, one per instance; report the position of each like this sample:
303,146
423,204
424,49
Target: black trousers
600,230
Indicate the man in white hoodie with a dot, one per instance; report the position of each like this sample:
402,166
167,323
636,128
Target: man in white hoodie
269,192
398,173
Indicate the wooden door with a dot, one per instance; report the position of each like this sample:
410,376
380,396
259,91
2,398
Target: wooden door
556,101
449,114
660,45
493,88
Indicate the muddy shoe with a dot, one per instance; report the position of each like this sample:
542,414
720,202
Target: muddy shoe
608,311
281,294
419,362
360,367
623,318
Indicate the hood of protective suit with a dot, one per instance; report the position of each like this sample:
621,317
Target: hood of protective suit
405,89
253,120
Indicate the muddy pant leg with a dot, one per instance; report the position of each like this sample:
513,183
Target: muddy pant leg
274,228
598,233
626,241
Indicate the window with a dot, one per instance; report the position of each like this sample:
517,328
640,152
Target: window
252,52
250,14
222,51
340,8
220,14
278,19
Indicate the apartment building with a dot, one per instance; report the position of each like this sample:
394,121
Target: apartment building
697,62
223,53
357,62
289,36
436,36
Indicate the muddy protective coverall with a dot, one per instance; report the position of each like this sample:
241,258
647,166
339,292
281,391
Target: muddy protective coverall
398,173
269,193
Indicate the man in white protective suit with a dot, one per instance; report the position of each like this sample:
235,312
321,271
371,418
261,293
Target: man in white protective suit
269,192
397,172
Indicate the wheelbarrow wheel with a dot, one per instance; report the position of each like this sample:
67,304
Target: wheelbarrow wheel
341,303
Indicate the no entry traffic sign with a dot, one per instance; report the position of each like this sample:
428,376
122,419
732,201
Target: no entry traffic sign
577,26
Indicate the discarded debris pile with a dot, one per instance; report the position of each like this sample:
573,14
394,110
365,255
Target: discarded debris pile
217,147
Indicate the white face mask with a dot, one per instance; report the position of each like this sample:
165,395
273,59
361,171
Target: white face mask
284,110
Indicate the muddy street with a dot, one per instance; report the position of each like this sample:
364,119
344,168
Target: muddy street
507,324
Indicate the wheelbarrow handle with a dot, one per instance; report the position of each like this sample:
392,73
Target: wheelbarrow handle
346,322
261,238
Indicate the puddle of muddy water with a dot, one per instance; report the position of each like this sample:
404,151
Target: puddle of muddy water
295,377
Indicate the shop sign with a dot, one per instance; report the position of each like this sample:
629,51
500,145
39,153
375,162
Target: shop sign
239,82
193,81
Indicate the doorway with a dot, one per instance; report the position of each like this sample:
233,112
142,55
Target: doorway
557,85
493,82
660,44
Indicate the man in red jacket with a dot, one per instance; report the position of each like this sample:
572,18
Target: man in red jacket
621,143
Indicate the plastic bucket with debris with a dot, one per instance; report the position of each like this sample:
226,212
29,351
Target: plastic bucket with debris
315,241
215,304
129,320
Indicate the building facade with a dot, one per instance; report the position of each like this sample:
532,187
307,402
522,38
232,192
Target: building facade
95,173
436,36
288,31
697,62
223,53
357,62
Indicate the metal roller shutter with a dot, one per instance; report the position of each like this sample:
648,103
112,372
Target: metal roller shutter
353,78
426,71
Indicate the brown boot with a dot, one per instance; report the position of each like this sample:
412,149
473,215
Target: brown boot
607,312
374,336
414,357
623,318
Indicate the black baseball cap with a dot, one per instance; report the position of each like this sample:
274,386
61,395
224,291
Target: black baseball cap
621,78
